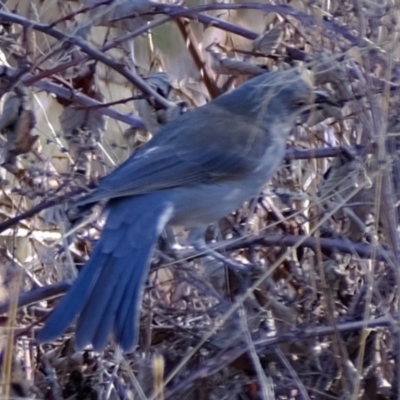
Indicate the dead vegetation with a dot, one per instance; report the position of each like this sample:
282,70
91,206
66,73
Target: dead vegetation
85,83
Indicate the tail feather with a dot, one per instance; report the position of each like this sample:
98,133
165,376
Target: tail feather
106,295
71,304
97,309
101,336
129,308
125,318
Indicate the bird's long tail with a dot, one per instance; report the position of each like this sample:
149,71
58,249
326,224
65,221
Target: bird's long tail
106,296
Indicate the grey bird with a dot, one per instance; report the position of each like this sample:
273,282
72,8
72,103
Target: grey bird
194,171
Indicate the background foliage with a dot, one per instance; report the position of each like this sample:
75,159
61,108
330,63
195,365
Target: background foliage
84,83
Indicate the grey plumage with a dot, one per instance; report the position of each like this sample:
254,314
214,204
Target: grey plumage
196,170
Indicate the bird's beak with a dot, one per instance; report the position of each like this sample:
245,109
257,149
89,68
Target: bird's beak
322,97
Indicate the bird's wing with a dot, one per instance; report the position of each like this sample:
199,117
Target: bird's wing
188,151
165,167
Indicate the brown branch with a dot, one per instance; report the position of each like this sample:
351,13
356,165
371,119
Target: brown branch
290,155
83,100
36,295
322,152
40,207
197,56
331,27
227,357
136,80
75,97
342,245
71,15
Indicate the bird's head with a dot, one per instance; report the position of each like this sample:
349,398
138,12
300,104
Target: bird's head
285,94
279,96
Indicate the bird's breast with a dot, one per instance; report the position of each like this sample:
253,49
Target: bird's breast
271,159
207,203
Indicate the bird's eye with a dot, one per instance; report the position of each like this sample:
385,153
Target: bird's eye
299,102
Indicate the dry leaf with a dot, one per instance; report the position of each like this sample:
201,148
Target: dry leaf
24,140
10,111
115,14
72,120
136,137
153,116
269,41
16,124
224,65
159,81
328,69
